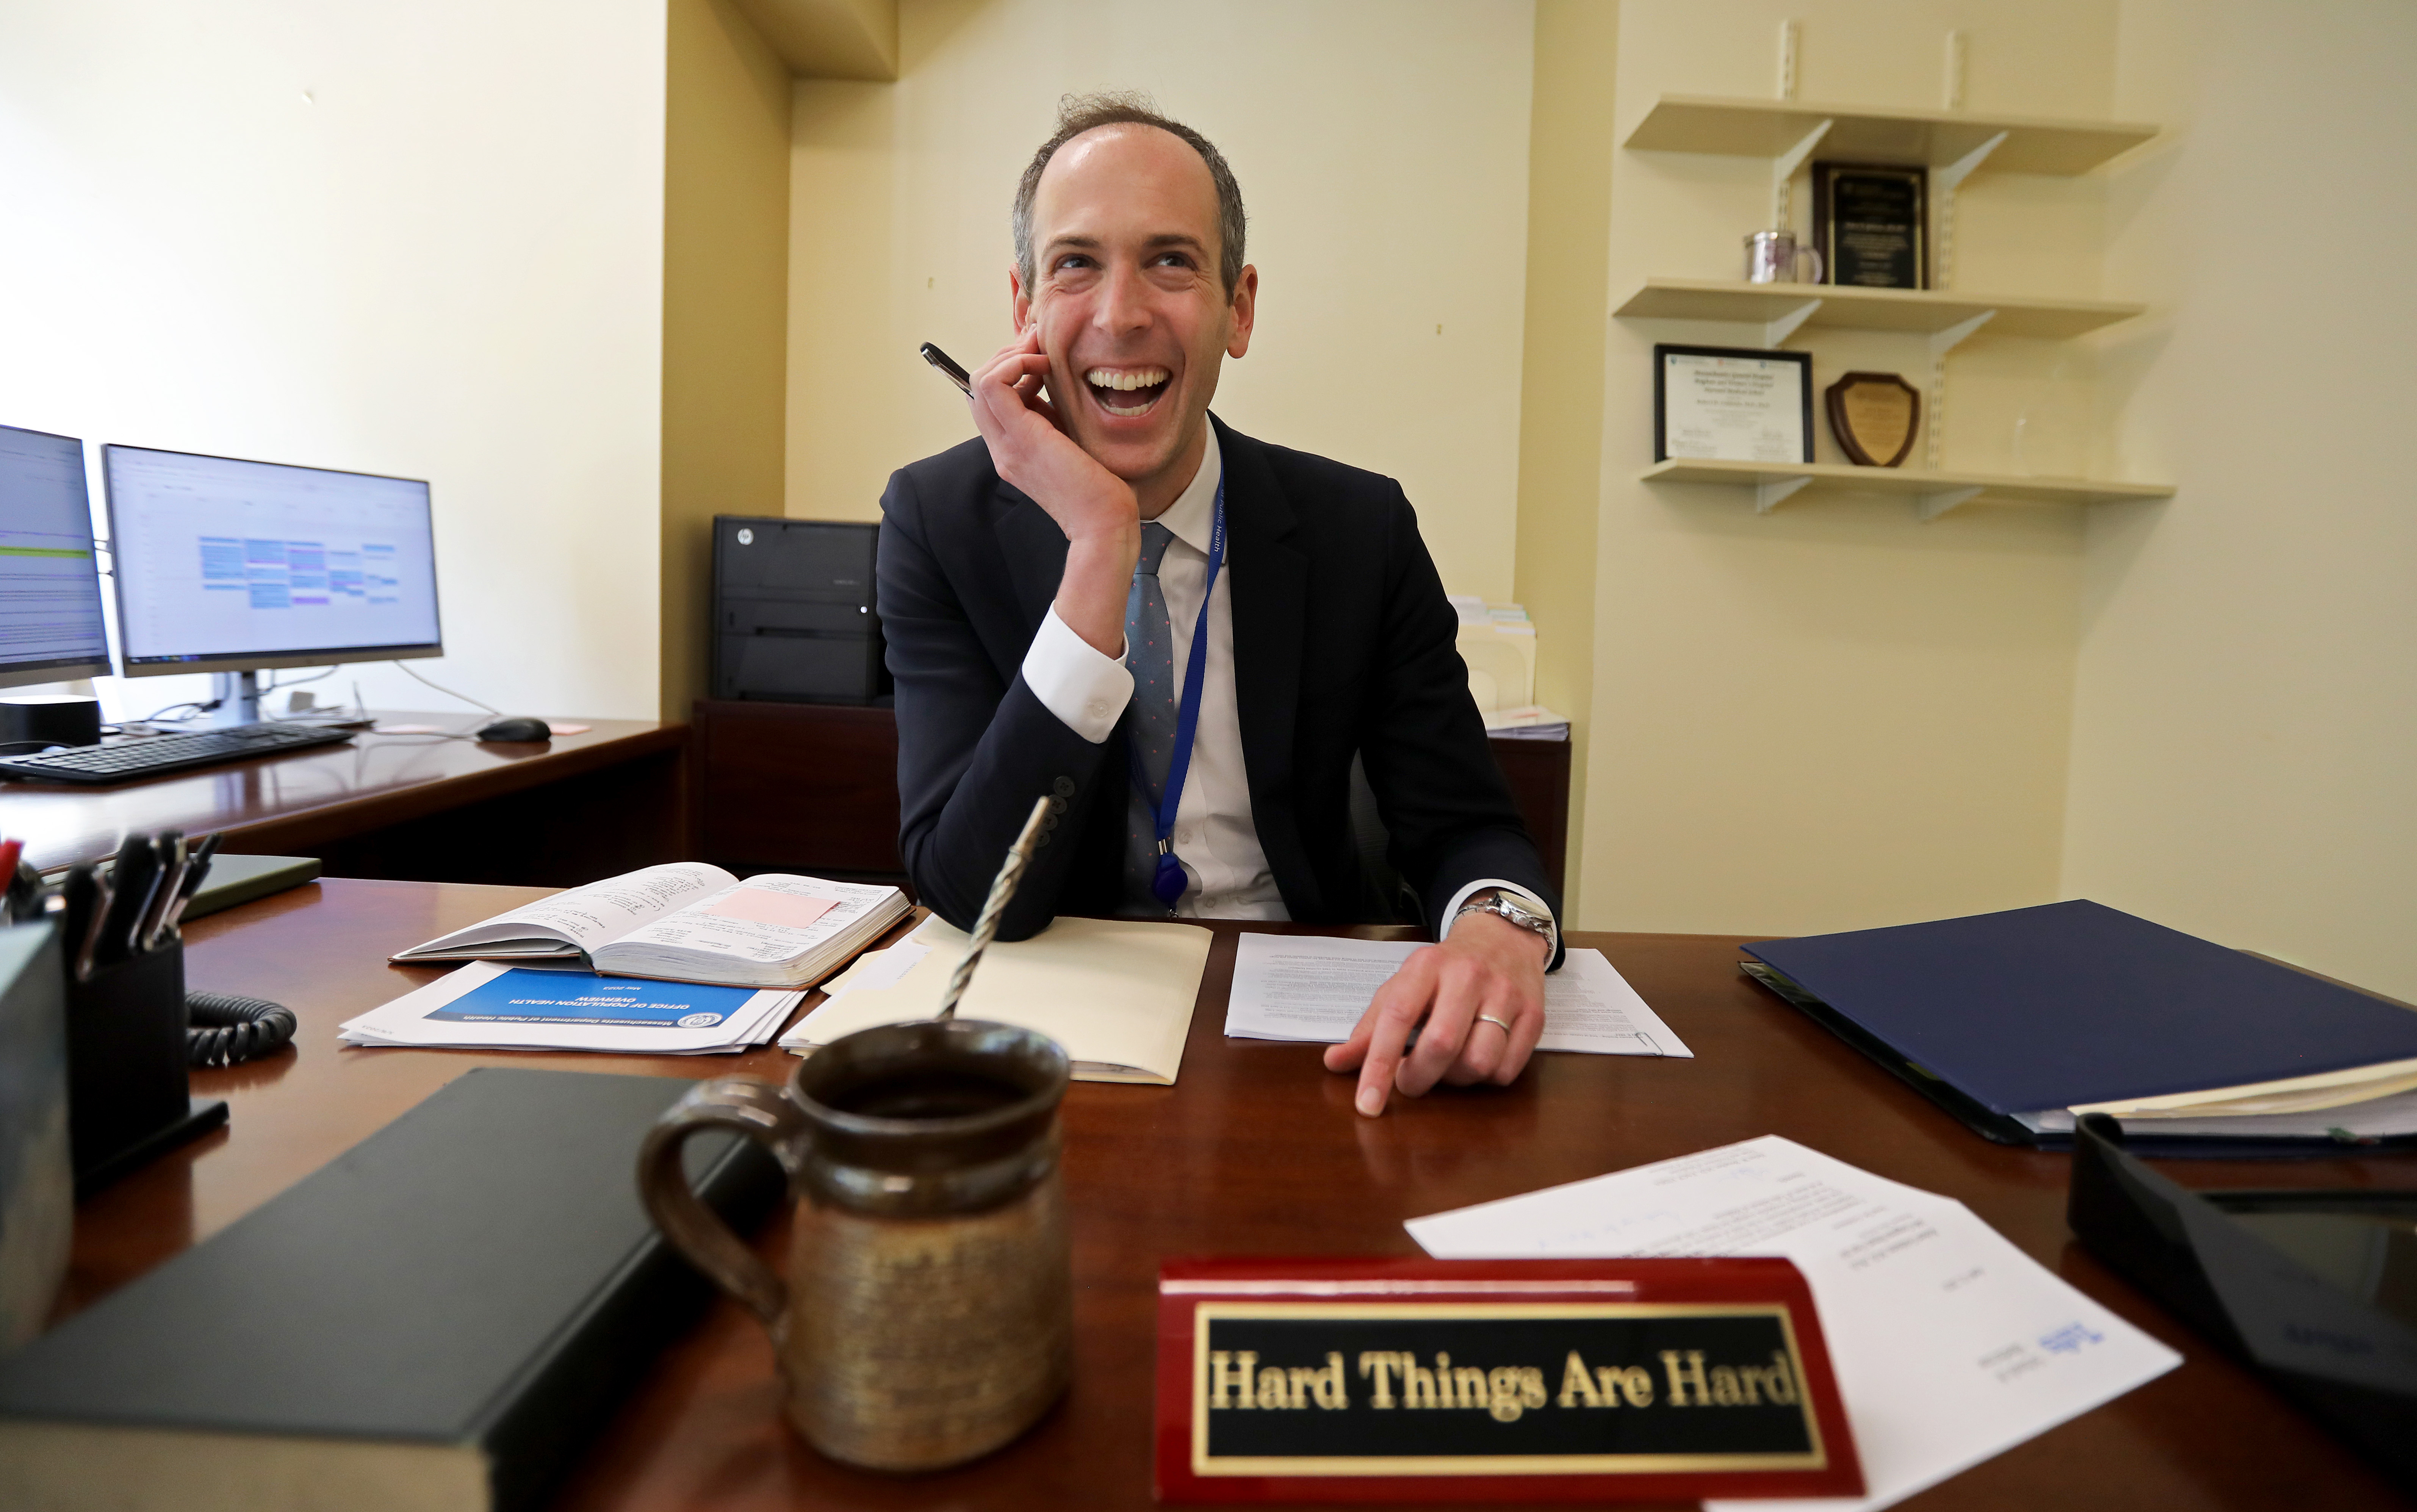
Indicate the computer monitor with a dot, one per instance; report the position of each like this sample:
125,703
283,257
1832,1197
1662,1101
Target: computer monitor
234,566
50,625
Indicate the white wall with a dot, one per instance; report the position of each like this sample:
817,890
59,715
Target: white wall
424,242
2244,751
1382,149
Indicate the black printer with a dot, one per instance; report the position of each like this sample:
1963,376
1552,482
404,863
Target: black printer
792,615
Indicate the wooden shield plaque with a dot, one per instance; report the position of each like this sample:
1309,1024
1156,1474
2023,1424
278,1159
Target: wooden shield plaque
1874,416
1519,1381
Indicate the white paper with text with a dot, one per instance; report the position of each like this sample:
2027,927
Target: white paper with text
1951,1345
1313,988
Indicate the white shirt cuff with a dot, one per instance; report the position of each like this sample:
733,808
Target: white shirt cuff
1086,691
1451,913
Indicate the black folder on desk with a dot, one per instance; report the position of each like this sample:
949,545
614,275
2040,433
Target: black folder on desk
437,1319
2076,1003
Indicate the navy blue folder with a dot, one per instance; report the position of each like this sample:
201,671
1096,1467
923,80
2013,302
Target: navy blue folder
2078,1003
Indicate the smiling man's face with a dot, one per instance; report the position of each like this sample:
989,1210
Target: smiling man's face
1133,314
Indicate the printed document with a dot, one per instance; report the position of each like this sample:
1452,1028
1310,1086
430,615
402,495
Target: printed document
1951,1345
1313,988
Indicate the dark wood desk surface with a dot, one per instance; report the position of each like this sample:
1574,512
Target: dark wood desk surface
1256,1151
301,802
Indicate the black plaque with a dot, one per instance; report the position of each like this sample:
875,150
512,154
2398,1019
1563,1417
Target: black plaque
1715,1386
1871,225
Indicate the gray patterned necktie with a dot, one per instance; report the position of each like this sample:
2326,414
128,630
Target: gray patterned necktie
1150,655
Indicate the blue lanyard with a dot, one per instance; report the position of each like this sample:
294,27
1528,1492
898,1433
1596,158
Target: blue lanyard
1168,883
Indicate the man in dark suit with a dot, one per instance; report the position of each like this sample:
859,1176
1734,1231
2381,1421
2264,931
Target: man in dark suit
1181,636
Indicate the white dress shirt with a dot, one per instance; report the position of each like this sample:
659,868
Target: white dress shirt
1214,834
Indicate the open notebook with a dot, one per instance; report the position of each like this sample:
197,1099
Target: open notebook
684,922
1117,994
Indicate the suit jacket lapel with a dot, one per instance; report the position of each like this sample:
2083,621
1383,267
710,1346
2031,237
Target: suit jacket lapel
1270,600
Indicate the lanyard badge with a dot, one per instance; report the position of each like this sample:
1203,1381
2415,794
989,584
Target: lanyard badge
1168,883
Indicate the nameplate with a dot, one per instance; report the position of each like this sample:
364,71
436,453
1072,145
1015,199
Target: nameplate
1420,1380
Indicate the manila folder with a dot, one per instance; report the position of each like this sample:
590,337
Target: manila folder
1117,994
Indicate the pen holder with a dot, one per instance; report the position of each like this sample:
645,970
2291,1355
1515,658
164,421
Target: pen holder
128,1099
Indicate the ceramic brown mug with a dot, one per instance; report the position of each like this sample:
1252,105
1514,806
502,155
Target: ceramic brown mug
927,1316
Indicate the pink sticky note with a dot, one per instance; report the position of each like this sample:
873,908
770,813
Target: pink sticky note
762,906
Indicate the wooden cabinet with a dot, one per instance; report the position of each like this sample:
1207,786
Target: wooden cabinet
813,788
1539,774
798,787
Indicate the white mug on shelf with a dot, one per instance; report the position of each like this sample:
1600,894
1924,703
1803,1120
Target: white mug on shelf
1772,257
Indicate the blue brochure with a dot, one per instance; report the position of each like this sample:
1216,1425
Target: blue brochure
582,997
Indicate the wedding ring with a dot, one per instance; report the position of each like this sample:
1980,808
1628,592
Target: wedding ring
1503,1024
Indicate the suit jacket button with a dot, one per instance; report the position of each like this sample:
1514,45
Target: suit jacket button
1063,787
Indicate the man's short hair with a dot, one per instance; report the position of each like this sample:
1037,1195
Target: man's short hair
1078,113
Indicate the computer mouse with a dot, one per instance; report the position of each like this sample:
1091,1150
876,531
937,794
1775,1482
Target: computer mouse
517,728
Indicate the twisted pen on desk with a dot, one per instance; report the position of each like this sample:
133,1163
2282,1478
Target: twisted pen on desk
1000,891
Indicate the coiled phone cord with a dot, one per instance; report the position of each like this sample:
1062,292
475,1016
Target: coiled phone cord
227,1029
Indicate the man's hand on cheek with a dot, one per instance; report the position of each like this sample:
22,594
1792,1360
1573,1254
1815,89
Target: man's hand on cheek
1031,451
1095,510
1477,1002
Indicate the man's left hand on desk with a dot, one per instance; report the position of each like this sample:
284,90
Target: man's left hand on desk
1480,998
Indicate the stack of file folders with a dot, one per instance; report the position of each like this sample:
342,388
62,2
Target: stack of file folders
2019,1023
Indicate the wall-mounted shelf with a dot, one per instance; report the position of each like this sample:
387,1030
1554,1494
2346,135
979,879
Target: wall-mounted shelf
1769,127
1935,492
1925,312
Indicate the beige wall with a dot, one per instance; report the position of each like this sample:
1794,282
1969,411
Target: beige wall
425,243
1834,715
2244,752
1381,146
1560,410
725,310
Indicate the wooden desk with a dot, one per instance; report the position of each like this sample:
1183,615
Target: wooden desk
1257,1150
401,806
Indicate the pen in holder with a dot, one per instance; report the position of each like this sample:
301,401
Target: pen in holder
128,1097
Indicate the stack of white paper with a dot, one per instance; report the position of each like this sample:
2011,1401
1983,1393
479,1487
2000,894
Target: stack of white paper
1951,1345
489,1006
1306,986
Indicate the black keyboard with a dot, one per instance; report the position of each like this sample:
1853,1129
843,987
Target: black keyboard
149,755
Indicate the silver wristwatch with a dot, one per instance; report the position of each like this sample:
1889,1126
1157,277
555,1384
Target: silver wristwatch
1503,906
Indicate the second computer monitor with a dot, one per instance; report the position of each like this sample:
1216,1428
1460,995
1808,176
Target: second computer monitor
228,566
50,626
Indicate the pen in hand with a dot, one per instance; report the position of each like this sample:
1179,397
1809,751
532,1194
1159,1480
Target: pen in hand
948,368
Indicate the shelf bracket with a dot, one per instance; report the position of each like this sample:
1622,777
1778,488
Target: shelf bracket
1944,185
1931,505
1783,175
1942,342
1767,496
1776,331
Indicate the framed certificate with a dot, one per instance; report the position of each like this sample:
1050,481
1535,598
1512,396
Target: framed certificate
1725,404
